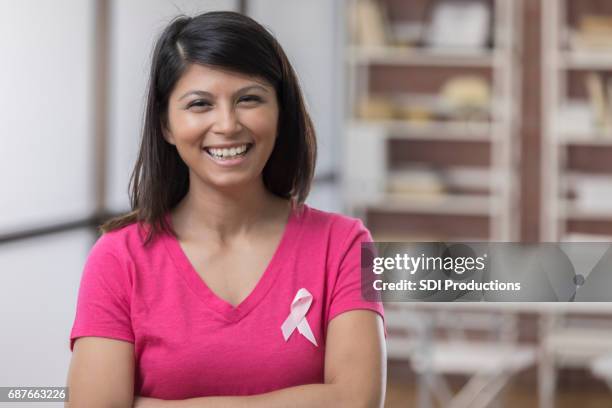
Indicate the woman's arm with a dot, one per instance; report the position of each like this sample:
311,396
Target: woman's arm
355,373
101,374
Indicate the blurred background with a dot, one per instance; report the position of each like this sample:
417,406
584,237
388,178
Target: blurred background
484,120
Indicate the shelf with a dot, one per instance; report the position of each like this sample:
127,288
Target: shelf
568,210
402,110
457,131
435,204
573,102
420,57
382,237
578,237
585,60
582,139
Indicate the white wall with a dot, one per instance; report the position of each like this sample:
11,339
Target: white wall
39,283
46,136
136,25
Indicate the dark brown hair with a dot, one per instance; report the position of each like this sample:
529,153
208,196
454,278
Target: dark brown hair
235,42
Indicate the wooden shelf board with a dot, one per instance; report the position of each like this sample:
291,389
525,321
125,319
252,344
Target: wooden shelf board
443,204
567,210
595,139
421,56
479,132
585,60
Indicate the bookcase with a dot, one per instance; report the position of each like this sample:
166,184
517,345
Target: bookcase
577,130
431,118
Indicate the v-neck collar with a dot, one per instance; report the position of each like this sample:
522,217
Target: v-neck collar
232,313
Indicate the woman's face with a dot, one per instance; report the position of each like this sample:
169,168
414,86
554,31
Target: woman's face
223,124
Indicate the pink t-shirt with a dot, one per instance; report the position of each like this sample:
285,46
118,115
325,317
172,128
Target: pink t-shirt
188,342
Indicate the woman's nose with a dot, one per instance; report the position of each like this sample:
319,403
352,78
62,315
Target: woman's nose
226,120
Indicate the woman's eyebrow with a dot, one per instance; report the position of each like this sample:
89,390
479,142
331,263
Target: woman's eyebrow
208,94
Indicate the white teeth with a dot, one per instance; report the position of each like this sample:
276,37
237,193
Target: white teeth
231,152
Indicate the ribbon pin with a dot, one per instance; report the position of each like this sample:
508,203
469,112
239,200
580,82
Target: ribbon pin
297,317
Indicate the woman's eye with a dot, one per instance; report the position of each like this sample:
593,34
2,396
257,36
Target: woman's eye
250,98
199,103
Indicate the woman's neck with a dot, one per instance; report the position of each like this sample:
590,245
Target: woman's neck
223,215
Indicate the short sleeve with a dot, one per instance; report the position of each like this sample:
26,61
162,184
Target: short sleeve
103,303
346,293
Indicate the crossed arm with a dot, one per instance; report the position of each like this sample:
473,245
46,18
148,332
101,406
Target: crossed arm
355,374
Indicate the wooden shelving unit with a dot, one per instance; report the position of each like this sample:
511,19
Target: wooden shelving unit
375,147
568,152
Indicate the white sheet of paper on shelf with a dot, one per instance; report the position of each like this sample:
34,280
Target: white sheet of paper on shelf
593,192
459,24
576,119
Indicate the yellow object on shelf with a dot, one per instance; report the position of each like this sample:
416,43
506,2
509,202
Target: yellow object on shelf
597,96
368,23
594,33
467,91
596,24
415,114
415,183
376,108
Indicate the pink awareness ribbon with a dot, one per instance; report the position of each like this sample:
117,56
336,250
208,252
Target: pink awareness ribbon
297,316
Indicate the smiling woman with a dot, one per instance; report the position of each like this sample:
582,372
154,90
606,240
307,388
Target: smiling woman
221,287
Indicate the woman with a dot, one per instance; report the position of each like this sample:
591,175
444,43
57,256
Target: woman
221,287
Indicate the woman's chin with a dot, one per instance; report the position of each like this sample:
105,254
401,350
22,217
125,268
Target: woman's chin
228,183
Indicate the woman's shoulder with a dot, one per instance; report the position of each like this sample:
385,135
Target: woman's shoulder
122,241
333,223
112,242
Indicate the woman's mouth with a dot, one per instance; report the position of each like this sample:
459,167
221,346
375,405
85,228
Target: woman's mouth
229,156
